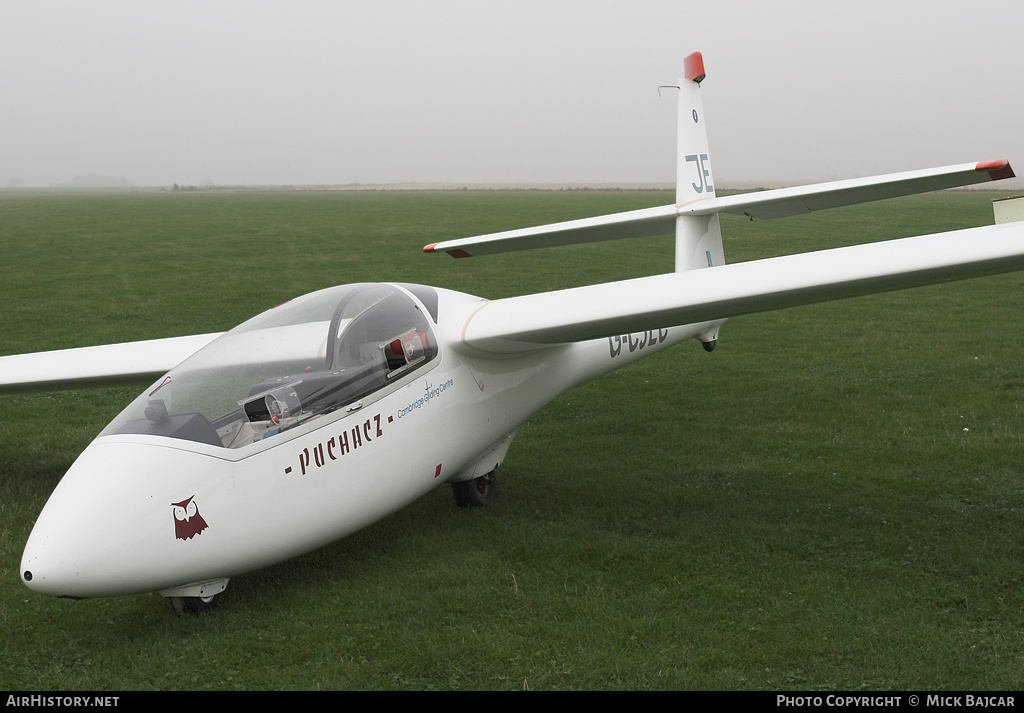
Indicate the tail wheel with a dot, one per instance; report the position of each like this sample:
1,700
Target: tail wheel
476,492
194,605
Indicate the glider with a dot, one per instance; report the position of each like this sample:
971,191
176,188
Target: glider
337,408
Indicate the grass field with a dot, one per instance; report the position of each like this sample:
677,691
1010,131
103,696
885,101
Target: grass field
833,499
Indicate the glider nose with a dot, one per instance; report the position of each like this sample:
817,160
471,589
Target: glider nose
40,585
108,525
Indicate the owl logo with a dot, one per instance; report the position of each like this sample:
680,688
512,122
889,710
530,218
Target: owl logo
187,521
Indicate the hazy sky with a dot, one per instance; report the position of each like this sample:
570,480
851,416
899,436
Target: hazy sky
304,92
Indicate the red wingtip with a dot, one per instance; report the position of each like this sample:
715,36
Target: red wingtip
454,253
693,67
997,170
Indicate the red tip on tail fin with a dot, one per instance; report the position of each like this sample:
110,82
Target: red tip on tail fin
693,67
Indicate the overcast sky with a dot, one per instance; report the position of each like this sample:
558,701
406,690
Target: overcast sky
304,92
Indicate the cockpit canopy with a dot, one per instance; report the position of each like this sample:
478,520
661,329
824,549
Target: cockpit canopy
303,359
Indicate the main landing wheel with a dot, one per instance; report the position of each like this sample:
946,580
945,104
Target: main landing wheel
477,492
194,605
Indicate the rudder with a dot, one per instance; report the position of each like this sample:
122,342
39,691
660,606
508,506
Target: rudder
698,238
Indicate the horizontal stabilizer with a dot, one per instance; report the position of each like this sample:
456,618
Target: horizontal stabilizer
109,364
531,321
761,205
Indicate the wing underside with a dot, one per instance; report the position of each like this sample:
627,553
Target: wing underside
533,321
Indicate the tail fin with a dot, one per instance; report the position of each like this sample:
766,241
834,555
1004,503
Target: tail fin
698,237
694,216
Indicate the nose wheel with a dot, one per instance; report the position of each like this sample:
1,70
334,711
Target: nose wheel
194,605
476,492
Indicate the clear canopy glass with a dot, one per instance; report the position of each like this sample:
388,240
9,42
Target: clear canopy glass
303,359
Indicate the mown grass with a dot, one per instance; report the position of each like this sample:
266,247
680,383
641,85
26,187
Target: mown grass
830,500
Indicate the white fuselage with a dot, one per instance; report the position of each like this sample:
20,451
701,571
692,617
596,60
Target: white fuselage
142,513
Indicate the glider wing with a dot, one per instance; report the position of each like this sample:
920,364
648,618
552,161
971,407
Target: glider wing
761,205
532,321
109,364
